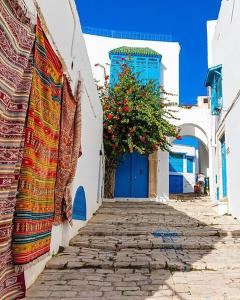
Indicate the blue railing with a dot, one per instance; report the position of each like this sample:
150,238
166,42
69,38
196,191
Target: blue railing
127,34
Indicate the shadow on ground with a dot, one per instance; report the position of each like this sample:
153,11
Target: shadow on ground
147,250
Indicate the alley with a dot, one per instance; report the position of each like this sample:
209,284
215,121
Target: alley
148,250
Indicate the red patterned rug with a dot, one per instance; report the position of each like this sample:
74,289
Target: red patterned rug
16,67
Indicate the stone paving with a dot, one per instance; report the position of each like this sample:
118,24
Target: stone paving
148,250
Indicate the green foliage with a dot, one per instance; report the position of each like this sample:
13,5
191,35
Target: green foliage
136,117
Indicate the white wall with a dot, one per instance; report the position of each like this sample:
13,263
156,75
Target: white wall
64,26
163,176
224,49
99,47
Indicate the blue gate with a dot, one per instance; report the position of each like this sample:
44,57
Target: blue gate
175,184
224,167
131,179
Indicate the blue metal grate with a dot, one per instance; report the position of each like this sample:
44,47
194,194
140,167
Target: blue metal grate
127,34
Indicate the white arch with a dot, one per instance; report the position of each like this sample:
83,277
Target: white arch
194,122
190,129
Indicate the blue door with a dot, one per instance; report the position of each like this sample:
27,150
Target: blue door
131,178
224,167
175,184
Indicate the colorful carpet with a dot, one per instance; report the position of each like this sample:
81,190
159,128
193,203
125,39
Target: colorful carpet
35,201
69,152
16,68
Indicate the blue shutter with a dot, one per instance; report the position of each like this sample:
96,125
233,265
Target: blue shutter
140,68
176,162
190,161
115,69
213,96
144,67
216,93
154,69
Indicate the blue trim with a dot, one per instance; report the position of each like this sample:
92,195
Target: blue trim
214,80
211,72
224,167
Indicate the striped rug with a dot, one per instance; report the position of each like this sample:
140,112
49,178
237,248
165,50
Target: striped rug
16,67
35,201
69,152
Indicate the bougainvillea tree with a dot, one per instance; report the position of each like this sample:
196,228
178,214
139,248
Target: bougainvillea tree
136,117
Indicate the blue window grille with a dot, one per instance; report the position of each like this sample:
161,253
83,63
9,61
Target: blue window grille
214,80
145,67
79,205
176,162
190,161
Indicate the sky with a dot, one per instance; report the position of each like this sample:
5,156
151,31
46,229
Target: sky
185,20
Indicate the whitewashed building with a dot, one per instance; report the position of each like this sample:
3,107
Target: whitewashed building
65,34
194,121
223,81
166,57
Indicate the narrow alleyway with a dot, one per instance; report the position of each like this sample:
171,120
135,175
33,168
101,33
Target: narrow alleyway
148,250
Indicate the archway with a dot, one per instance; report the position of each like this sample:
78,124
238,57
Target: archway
188,159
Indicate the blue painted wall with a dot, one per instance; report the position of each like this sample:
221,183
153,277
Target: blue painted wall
176,162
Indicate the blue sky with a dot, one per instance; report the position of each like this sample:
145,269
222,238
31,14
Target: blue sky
185,20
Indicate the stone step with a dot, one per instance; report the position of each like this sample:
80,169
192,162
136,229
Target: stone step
115,243
156,259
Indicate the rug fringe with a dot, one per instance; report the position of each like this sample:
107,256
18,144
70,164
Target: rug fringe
22,268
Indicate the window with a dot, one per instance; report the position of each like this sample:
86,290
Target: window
205,100
190,161
146,67
176,162
214,81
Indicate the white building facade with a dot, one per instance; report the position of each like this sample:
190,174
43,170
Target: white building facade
194,121
168,77
224,88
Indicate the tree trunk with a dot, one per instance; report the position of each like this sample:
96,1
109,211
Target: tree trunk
109,182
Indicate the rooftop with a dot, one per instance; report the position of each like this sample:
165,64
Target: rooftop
135,51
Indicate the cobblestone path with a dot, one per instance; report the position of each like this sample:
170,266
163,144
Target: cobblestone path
148,250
